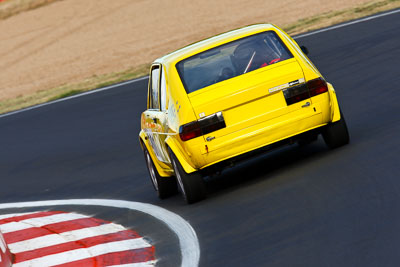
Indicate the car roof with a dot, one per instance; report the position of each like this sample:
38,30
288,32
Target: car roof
214,41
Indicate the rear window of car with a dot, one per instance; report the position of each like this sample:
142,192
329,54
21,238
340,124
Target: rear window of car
232,59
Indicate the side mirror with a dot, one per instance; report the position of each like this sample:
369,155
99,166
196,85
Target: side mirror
304,49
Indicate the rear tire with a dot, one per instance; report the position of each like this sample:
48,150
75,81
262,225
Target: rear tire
307,139
164,186
336,134
191,185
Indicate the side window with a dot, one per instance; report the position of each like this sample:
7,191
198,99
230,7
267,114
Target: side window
154,97
163,91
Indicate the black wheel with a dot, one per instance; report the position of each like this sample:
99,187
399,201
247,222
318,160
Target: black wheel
336,134
191,185
164,186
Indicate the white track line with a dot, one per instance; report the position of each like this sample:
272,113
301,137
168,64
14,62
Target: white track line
146,77
347,24
188,242
83,253
65,237
72,97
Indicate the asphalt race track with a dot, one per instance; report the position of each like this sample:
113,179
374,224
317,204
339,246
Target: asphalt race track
297,206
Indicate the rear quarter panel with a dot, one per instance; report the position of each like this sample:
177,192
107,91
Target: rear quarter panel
180,112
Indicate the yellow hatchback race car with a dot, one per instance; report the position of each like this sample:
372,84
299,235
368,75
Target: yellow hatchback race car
227,98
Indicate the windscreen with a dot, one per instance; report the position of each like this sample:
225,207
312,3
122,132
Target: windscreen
231,60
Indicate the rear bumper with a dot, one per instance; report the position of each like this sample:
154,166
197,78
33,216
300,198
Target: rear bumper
231,161
262,135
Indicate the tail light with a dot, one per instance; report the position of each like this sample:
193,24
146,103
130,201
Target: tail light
303,91
317,86
296,94
202,126
190,131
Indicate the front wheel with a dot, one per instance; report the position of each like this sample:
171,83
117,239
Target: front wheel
164,186
336,134
191,185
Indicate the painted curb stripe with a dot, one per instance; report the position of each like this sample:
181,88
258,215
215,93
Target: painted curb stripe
39,222
84,253
25,216
84,243
57,239
53,238
9,216
22,235
188,241
115,259
56,218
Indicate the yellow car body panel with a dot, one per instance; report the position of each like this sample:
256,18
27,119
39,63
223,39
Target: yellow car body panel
184,158
253,105
335,111
163,169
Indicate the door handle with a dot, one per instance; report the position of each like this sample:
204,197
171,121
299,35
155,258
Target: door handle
307,104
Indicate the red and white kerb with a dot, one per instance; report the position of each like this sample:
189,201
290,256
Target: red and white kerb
55,238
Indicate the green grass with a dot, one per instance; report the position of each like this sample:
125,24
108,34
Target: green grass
66,94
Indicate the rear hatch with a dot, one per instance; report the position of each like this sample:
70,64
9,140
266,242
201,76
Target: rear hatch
248,100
